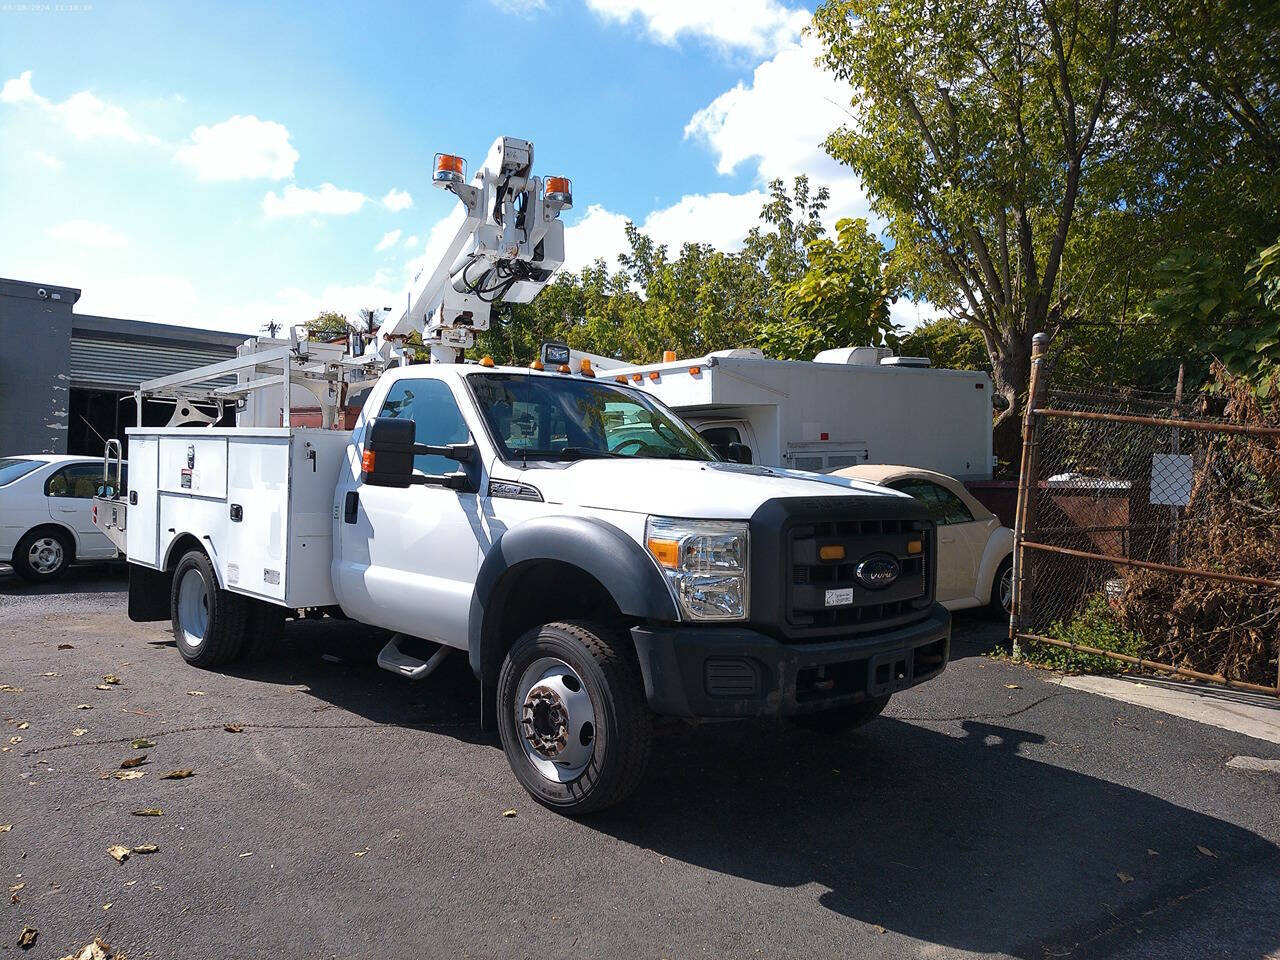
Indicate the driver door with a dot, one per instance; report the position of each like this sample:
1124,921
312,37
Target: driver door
410,555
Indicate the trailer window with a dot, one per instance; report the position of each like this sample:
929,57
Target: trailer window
944,506
11,468
436,417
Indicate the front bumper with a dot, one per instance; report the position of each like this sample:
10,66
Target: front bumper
735,672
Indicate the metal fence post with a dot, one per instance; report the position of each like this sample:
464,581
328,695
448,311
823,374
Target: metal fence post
1026,488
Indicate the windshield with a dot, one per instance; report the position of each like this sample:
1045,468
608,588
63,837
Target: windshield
11,468
552,418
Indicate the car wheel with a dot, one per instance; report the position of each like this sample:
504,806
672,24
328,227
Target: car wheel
208,623
43,555
1000,604
573,717
842,719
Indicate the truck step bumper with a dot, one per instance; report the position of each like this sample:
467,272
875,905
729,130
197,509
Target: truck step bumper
720,672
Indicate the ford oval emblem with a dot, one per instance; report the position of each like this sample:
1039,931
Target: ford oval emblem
877,571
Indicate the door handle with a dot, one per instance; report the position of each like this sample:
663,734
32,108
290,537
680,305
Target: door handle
67,509
947,539
351,507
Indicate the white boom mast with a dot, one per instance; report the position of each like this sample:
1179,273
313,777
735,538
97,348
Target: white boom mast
506,249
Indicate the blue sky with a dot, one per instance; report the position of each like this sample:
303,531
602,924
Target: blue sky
220,166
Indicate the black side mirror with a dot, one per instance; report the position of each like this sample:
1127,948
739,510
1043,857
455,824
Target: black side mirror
739,453
388,452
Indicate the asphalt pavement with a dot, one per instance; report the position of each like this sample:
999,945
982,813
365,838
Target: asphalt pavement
335,810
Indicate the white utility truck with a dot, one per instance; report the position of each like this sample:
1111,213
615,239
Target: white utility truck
598,562
845,407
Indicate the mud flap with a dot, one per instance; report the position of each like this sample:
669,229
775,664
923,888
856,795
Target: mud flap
148,594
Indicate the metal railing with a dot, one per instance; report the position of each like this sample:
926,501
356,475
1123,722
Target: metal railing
1147,530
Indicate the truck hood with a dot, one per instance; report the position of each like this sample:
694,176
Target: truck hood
685,488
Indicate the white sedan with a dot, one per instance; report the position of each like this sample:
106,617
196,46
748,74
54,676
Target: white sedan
46,514
975,551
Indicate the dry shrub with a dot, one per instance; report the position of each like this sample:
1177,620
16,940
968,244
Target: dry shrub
1232,525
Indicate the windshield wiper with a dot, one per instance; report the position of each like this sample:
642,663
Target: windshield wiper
567,453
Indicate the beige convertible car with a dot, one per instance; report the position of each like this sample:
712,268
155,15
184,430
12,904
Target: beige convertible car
975,552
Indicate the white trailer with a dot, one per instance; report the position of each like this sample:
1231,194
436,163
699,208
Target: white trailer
851,406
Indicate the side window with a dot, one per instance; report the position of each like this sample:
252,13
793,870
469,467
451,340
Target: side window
945,507
79,481
437,419
721,436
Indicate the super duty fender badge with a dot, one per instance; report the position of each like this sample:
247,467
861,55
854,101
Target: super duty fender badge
839,598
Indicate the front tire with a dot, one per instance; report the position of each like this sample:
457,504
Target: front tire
573,718
43,555
842,719
208,622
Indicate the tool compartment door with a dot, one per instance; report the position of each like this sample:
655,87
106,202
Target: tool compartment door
142,531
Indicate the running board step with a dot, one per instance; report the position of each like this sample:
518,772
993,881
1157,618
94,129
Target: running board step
397,661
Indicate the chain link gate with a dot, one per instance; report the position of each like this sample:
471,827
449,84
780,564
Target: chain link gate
1148,531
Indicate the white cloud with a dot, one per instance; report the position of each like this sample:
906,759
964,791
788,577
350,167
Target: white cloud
87,233
598,235
397,200
294,305
756,26
240,148
908,315
300,201
410,242
388,240
47,160
523,8
82,114
779,122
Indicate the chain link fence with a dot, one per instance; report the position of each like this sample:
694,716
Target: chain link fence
1148,532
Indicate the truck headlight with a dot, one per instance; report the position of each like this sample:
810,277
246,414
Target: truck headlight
705,563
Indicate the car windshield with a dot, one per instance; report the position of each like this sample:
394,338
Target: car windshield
11,468
574,418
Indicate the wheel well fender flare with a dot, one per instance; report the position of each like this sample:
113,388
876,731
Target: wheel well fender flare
62,530
599,549
999,546
182,544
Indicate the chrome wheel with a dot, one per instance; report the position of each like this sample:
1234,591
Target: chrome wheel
1006,589
555,719
193,608
46,555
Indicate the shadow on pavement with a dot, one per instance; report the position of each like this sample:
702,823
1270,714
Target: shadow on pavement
960,840
100,577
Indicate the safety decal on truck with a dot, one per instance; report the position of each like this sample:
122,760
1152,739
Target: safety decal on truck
840,598
186,478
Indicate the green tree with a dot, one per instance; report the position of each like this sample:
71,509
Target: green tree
979,126
328,325
947,342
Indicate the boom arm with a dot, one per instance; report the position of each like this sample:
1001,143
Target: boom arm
508,246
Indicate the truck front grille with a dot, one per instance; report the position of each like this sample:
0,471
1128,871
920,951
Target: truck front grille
826,593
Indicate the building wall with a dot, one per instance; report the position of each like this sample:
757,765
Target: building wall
35,358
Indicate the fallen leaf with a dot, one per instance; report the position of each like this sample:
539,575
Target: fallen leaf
23,725
128,774
149,812
878,928
145,848
93,951
1206,851
102,686
5,827
249,854
508,813
195,693
84,706
16,887
1152,853
137,761
142,743
27,939
119,852
13,898
51,673
177,775
1124,877
233,728
1012,686
8,688
15,740
66,646
111,678
358,853
79,732
106,906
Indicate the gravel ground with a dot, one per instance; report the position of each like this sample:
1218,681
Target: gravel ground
990,812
